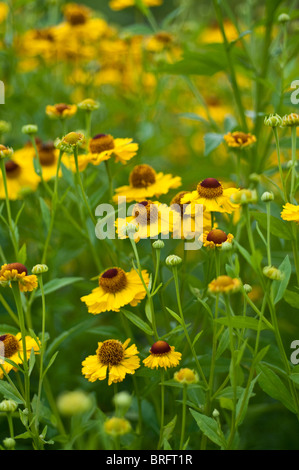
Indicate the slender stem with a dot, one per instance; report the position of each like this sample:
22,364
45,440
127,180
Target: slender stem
162,408
10,221
268,233
80,184
279,163
293,177
232,371
110,179
42,349
183,417
177,289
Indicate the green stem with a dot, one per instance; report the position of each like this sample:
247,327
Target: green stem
80,184
293,177
183,417
110,180
279,163
162,409
42,350
177,289
8,210
268,233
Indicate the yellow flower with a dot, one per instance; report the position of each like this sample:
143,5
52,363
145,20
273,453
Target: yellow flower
20,177
76,14
117,426
18,272
61,111
116,289
4,9
211,194
121,4
224,284
162,355
104,146
239,139
290,212
73,403
12,346
186,376
113,357
149,218
215,238
146,183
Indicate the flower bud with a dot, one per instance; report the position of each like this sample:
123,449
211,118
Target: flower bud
5,152
273,120
39,269
158,244
122,400
8,406
117,426
9,443
4,127
215,413
129,230
226,246
267,196
89,105
73,403
273,273
283,18
30,129
247,288
186,376
173,260
255,178
244,196
290,120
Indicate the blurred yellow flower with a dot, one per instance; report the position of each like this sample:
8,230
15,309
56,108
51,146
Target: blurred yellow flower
117,426
239,139
290,212
13,350
104,146
121,4
225,285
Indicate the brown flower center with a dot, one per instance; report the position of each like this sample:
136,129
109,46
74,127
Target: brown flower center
12,169
240,137
101,143
164,37
217,236
113,280
160,347
76,14
176,201
111,353
60,107
146,212
142,176
46,153
210,188
10,344
17,266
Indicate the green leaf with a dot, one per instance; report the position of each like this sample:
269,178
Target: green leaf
175,316
31,361
168,429
138,322
46,214
210,428
212,141
59,283
9,392
292,298
243,402
271,384
278,227
50,363
279,287
22,255
242,322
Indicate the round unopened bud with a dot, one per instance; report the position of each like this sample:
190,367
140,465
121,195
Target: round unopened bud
4,127
290,163
290,120
122,400
226,246
39,269
273,273
247,288
73,138
89,105
267,196
273,120
255,178
74,403
173,260
129,230
9,443
5,152
8,406
30,129
283,18
215,413
158,244
117,426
